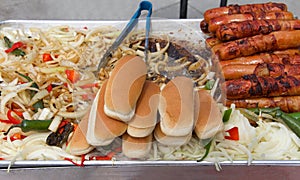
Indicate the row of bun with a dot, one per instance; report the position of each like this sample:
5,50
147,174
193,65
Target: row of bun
130,107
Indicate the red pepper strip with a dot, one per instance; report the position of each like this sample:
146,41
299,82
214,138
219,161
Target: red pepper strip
47,57
18,112
14,47
11,118
111,154
233,134
49,88
100,158
2,158
90,85
16,136
75,163
5,121
72,75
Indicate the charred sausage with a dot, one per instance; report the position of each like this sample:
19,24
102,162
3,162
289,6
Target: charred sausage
212,41
263,58
278,40
237,30
288,104
252,86
215,23
241,9
237,71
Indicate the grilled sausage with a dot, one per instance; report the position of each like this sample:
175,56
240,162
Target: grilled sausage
215,23
237,30
278,40
204,26
263,58
212,41
252,86
236,71
241,9
285,103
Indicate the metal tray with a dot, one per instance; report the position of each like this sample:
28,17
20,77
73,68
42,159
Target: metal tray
187,29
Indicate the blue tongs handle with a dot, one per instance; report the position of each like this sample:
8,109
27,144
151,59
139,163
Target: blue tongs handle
144,5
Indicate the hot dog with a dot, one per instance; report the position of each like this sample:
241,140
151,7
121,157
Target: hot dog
263,58
212,41
241,9
215,23
253,86
278,40
237,30
286,103
265,69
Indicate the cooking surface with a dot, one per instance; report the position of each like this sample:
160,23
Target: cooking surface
114,10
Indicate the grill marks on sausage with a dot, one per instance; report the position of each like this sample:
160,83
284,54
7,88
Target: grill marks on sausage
252,86
285,103
236,30
278,40
240,9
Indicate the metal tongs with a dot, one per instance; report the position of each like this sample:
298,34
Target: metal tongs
144,5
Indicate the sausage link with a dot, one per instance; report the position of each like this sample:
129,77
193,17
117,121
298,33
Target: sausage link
237,71
278,40
241,9
237,30
252,86
216,22
287,104
212,41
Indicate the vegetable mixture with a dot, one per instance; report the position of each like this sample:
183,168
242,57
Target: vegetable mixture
47,84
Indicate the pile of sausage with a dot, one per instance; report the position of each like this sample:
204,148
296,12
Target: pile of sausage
256,47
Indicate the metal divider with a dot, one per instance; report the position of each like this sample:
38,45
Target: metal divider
184,7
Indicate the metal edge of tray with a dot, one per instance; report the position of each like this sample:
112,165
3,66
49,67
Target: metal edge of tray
192,23
128,163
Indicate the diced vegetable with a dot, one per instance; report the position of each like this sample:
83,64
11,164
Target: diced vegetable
47,57
16,136
226,115
61,135
49,88
14,47
11,119
209,84
233,134
72,75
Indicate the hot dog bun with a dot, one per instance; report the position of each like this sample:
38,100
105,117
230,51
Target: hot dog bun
139,132
176,107
209,117
145,117
102,130
170,140
78,144
133,147
124,87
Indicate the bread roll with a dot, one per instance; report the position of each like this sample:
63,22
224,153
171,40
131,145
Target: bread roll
209,117
124,87
139,132
78,144
176,107
170,140
102,130
133,147
145,117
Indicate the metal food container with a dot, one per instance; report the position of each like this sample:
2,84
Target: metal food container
179,29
